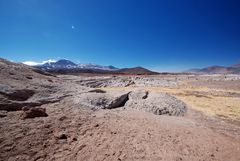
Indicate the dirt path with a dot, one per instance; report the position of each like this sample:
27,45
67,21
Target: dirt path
112,135
131,135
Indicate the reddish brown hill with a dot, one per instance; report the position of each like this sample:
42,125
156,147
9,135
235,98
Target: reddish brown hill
136,70
217,69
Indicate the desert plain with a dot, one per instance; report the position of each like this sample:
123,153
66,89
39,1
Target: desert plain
169,117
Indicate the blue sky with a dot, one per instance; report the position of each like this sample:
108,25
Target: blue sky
164,35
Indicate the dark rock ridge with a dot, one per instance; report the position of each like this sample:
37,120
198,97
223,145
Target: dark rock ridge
15,95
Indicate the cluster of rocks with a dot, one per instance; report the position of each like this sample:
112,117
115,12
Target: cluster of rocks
152,81
12,99
125,81
98,82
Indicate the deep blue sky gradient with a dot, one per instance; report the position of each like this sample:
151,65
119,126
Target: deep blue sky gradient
164,35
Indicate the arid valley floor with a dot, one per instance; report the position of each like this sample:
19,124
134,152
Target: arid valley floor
117,118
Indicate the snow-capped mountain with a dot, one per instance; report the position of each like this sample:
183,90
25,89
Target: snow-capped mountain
67,64
95,66
60,64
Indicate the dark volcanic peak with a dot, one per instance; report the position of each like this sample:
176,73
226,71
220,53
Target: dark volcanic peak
112,67
60,64
65,62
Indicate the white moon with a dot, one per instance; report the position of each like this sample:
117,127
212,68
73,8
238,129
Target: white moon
73,27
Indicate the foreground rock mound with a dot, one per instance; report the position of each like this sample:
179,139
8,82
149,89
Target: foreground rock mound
157,103
21,85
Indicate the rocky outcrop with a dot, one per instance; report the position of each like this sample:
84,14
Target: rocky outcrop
15,94
9,105
118,102
138,95
100,100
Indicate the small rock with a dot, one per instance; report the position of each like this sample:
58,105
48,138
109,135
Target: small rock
47,126
26,108
74,139
3,115
62,136
81,147
28,77
113,132
97,91
62,118
34,112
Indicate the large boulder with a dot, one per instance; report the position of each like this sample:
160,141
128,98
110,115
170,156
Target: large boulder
157,103
108,100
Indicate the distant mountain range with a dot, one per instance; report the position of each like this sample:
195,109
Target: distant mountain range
64,66
67,64
234,69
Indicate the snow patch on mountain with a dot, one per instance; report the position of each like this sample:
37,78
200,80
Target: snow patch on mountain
33,63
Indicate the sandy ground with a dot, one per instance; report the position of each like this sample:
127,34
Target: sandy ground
73,131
